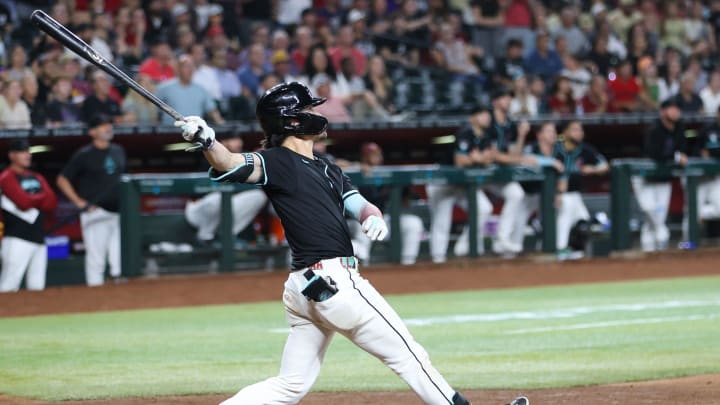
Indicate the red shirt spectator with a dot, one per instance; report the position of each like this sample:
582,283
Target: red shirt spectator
346,48
518,14
624,89
159,66
597,100
561,100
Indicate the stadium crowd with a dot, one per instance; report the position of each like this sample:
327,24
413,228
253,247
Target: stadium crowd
215,59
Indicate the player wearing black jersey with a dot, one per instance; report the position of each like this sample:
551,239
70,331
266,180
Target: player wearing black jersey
324,292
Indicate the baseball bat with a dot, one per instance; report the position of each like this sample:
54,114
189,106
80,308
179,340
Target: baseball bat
63,35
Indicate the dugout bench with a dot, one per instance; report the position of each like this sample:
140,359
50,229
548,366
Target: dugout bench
621,195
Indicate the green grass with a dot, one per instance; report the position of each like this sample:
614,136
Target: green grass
521,338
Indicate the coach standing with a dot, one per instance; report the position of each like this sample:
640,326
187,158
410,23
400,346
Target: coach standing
26,197
664,144
90,180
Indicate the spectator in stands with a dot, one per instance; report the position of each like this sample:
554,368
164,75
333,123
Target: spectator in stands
364,39
138,109
61,109
301,50
204,75
351,88
542,60
379,85
579,160
623,17
280,43
70,67
345,48
710,95
26,200
17,68
519,16
560,45
669,84
411,226
204,214
511,66
537,89
185,96
561,99
412,24
334,109
159,25
695,69
578,76
524,103
229,83
318,62
14,113
624,89
455,55
38,111
486,19
673,28
687,99
577,42
260,36
185,38
267,81
100,102
281,66
597,100
249,74
508,143
664,143
649,97
90,180
600,59
161,64
289,11
330,14
473,147
129,29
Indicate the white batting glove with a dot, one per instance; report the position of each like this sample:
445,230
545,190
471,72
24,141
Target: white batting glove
197,131
375,228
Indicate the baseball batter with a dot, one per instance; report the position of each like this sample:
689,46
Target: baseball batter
324,292
664,143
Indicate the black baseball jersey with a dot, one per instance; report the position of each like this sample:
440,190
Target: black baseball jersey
503,135
466,140
574,160
661,144
534,187
308,196
95,175
709,140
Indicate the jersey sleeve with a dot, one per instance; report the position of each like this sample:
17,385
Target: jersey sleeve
348,188
463,145
592,156
278,170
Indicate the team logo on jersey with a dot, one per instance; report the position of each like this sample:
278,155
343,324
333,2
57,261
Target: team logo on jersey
110,165
30,185
463,145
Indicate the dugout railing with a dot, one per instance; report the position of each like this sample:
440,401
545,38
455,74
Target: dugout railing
133,187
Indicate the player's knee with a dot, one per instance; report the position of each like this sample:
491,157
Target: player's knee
412,224
513,191
295,387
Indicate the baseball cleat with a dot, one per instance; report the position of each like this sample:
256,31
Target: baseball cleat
520,401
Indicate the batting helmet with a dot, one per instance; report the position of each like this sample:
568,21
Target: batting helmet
280,111
579,234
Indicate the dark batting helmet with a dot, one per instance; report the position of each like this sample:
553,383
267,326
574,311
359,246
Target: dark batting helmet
579,235
280,112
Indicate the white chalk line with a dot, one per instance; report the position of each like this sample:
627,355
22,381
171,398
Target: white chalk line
559,313
591,325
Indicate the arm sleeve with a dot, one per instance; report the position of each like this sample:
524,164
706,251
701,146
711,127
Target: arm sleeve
12,190
49,200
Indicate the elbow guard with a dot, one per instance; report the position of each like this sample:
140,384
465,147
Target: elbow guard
237,175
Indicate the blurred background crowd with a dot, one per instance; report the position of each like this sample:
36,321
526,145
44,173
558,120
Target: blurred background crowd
373,59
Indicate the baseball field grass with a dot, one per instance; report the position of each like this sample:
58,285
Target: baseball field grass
514,338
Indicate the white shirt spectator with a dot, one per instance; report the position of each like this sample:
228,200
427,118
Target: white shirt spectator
289,11
579,81
667,90
345,87
711,100
524,106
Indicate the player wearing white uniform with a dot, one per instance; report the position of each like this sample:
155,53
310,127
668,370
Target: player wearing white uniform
708,146
473,147
509,142
664,143
579,159
204,213
411,226
26,198
90,180
324,292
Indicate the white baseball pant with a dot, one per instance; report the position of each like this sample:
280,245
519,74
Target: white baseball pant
442,198
654,201
572,209
708,198
513,219
22,258
204,213
101,236
411,229
361,314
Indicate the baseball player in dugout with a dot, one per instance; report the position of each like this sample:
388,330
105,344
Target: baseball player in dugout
204,213
665,144
26,198
579,160
324,292
708,193
473,147
90,180
509,142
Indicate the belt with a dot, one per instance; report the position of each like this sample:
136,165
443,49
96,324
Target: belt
346,262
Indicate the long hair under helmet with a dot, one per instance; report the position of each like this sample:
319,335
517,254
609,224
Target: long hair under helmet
280,112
